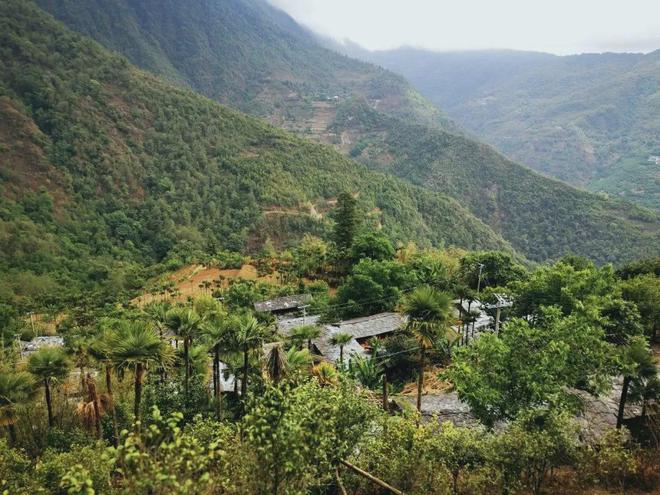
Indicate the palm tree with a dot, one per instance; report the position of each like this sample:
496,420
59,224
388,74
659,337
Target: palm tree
136,345
215,330
15,388
101,350
157,311
298,361
637,366
79,346
341,339
428,312
305,333
48,364
185,324
276,363
249,335
325,373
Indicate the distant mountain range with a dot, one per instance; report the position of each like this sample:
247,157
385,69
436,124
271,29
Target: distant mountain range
254,57
590,120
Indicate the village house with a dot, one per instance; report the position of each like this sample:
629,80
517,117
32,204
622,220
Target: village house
361,329
285,305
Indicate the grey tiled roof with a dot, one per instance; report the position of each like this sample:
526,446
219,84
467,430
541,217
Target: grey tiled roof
359,328
39,342
282,303
285,326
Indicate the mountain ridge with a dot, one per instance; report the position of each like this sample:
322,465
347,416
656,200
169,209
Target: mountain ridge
313,109
589,119
106,169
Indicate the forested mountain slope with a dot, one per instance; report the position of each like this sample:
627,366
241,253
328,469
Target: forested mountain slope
105,169
245,53
591,120
254,57
541,217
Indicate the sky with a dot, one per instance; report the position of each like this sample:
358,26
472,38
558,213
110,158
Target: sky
555,26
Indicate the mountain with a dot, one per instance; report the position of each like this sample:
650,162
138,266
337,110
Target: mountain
106,169
256,58
590,120
244,53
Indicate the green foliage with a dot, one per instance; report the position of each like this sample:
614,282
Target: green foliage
538,441
590,120
299,434
346,221
562,285
644,292
495,376
141,172
610,462
372,287
498,269
373,245
15,471
163,459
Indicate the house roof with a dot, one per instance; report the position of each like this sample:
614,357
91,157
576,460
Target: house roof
39,342
283,303
358,328
285,326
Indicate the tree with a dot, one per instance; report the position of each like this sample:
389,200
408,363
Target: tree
216,331
373,245
458,449
300,434
341,339
498,378
305,333
249,335
157,312
644,291
137,346
185,323
15,388
536,442
564,286
298,361
496,268
429,316
48,364
638,370
346,221
367,370
101,349
373,287
276,363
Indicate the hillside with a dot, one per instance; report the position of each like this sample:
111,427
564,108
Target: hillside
105,169
244,53
590,120
300,85
541,217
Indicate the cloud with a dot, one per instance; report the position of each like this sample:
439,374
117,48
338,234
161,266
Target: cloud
558,26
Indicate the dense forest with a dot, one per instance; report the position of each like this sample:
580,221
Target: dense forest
107,170
256,58
194,301
202,395
589,120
